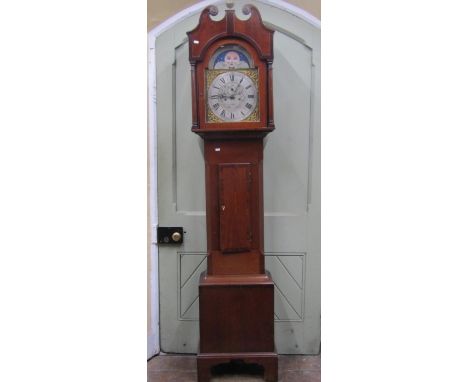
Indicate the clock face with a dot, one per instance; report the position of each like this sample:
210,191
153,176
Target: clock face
232,96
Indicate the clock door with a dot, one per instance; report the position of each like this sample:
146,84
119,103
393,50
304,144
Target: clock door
291,168
235,209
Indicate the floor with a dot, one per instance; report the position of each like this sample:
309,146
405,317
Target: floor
178,368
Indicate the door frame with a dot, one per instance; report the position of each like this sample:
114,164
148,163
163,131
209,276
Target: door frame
153,340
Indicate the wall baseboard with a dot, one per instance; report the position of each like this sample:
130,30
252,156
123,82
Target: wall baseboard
152,346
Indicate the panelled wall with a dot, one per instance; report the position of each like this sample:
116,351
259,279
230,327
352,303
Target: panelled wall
159,11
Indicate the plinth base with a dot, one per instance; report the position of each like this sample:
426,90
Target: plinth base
268,361
237,323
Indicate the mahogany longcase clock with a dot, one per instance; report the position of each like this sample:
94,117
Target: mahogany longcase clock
232,110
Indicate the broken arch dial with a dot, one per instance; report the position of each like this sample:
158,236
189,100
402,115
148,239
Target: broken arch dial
232,96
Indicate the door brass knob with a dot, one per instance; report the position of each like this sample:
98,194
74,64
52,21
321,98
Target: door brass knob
176,236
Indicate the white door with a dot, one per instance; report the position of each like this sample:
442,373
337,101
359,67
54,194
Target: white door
291,185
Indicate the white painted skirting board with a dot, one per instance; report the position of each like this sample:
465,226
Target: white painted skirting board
153,339
153,346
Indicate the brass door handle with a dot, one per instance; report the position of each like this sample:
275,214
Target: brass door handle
176,236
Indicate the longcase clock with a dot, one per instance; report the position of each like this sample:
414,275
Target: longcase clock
232,110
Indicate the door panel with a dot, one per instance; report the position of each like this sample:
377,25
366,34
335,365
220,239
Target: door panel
235,209
291,187
190,267
188,147
287,148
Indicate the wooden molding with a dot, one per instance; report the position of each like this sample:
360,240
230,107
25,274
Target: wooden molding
252,30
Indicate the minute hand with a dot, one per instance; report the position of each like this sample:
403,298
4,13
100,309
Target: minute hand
235,91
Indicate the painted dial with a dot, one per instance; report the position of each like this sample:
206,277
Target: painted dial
232,96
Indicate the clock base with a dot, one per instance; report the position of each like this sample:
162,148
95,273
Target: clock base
237,322
268,361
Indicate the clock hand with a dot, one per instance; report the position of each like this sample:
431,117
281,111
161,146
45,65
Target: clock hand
235,91
237,88
223,97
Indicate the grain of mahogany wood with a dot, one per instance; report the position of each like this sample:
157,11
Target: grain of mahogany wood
236,296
